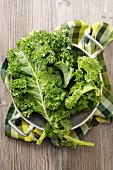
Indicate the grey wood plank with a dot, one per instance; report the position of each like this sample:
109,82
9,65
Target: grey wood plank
17,18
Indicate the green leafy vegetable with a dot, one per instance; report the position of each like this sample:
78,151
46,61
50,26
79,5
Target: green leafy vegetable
66,70
48,75
77,93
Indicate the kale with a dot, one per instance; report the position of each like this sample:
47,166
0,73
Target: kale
51,77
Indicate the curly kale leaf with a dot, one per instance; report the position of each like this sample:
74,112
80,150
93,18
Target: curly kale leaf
77,93
91,67
66,70
87,80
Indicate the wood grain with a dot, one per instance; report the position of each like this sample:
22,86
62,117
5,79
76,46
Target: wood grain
17,18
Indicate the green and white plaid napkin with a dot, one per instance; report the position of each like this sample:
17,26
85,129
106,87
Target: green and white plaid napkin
103,33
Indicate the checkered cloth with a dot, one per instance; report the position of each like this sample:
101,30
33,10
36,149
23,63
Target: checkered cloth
103,33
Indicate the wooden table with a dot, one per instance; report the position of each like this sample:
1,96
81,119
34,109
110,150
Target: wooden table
18,17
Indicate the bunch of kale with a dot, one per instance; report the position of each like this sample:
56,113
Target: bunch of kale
48,75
